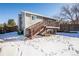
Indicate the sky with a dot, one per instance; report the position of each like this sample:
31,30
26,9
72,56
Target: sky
11,10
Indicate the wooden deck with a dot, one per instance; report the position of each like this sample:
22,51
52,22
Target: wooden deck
39,28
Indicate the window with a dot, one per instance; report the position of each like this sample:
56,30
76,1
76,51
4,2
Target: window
34,17
39,17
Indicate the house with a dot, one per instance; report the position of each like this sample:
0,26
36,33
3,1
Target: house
32,24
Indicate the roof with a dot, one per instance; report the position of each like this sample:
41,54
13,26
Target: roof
38,15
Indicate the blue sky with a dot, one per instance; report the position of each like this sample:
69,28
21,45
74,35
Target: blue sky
11,10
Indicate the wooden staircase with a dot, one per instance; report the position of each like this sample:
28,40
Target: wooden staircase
35,29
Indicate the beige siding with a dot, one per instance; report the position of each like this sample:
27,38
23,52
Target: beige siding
27,21
30,22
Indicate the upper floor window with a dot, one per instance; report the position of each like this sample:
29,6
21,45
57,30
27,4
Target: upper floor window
34,17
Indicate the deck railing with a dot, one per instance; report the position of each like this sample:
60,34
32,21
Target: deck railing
35,29
51,23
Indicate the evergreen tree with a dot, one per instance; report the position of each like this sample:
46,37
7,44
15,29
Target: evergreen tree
11,22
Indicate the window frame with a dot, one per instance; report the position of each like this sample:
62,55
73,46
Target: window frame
34,17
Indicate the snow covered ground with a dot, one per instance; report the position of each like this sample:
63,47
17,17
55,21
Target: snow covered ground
11,36
54,45
69,34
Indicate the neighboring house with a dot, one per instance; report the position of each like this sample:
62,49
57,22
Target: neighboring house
35,22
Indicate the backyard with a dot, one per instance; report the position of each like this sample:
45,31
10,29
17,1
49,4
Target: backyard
39,46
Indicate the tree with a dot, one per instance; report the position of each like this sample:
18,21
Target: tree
5,27
70,12
1,28
60,20
11,22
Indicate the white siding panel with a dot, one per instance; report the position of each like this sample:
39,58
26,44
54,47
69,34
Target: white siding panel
36,20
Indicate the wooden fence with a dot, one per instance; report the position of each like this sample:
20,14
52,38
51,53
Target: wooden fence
69,27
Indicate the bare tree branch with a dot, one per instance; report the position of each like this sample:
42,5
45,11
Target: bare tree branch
71,13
